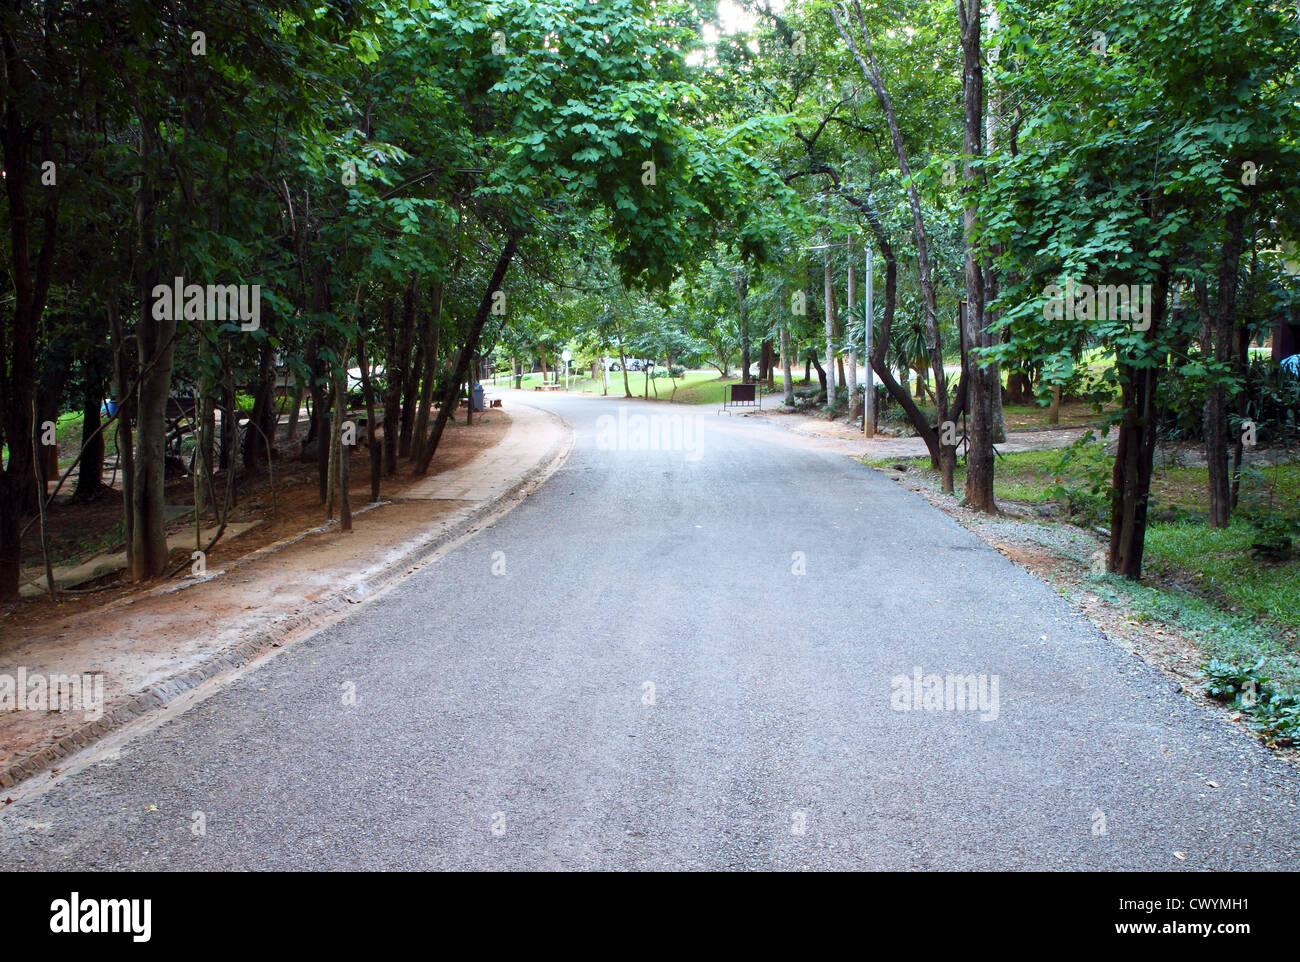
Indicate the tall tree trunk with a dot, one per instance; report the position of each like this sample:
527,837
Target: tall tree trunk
1135,452
982,377
372,446
622,360
262,419
125,414
155,339
467,352
295,408
410,370
430,334
30,283
1216,394
392,389
866,60
90,470
992,113
829,290
741,280
865,56
851,382
787,378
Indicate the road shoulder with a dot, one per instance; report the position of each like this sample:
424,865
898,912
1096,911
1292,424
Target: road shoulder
166,643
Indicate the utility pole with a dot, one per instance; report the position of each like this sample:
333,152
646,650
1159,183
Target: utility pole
851,372
869,309
830,328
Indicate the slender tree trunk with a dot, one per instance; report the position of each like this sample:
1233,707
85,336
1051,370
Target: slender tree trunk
295,409
90,471
467,352
318,430
411,371
821,371
992,113
430,336
622,358
851,383
981,378
787,379
262,419
1216,394
1135,453
154,340
866,60
741,280
829,285
372,445
30,284
898,390
393,373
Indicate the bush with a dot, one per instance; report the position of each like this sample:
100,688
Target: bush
1082,477
1273,712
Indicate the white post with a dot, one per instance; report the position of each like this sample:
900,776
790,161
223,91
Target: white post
869,401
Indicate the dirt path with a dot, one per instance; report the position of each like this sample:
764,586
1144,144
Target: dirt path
851,440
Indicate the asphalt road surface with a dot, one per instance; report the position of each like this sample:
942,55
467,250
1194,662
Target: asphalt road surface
703,657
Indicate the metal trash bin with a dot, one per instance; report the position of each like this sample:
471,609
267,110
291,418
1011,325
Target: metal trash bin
476,397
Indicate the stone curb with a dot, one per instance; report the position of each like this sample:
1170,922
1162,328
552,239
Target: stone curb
290,628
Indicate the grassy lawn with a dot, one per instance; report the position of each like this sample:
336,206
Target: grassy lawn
693,387
1022,417
1025,476
1223,566
1073,414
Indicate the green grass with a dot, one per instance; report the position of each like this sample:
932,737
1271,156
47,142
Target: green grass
67,432
1232,636
1221,562
693,387
1017,476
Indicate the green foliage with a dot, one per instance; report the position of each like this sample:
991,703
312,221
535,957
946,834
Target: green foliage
1273,711
1080,479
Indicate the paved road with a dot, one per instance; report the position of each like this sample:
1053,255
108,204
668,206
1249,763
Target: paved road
504,716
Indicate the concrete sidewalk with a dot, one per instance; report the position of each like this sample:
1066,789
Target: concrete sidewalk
150,648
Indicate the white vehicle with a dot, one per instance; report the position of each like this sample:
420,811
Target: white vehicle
633,364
